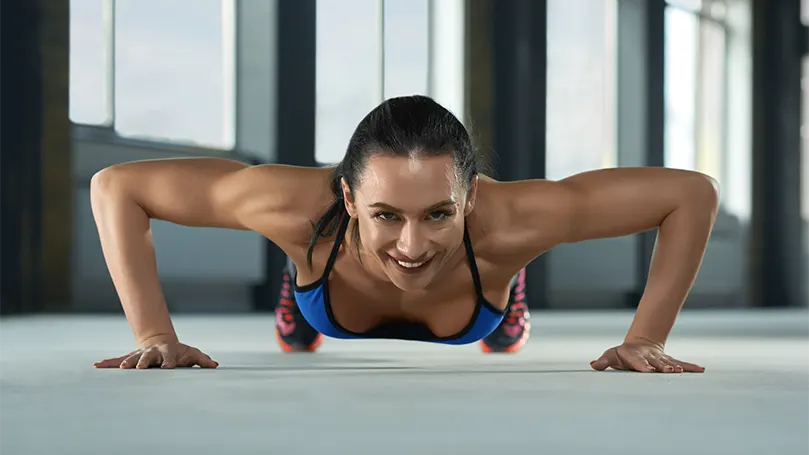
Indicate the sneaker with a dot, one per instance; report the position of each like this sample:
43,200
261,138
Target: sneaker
292,331
512,334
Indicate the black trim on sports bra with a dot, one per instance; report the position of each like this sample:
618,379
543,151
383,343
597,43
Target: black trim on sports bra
473,265
396,329
324,277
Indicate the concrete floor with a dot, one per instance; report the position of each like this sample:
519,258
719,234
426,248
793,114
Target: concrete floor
372,397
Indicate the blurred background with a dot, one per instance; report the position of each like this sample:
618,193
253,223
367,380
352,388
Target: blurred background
548,88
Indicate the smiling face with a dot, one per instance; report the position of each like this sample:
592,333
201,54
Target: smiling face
410,213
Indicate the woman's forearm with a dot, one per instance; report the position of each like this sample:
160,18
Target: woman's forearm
680,246
126,241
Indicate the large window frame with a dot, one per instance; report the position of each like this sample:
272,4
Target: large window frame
444,68
707,14
107,133
582,87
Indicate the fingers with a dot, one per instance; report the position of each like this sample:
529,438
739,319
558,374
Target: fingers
638,363
194,356
168,363
112,363
205,361
667,364
152,357
164,356
169,357
616,360
663,365
608,359
687,367
602,363
130,361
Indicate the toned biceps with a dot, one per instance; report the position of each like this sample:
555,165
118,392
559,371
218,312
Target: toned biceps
538,214
618,202
599,204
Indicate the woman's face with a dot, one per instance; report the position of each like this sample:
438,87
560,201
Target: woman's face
410,213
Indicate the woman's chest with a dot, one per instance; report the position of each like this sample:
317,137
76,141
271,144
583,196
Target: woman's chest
360,304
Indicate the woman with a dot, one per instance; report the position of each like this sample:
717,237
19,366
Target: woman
405,238
295,334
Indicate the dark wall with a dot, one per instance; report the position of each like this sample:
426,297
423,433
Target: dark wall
776,232
36,209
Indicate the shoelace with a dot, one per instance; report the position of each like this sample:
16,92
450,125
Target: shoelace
516,313
286,308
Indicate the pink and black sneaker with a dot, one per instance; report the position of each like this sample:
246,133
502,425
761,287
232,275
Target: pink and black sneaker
512,334
292,331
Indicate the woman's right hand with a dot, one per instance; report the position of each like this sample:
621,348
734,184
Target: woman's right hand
163,355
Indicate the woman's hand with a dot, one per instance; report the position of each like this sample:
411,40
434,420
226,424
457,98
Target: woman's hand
644,356
164,355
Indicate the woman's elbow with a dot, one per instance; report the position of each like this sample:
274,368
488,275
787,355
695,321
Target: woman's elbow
703,191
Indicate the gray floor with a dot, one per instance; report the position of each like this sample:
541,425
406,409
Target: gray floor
371,397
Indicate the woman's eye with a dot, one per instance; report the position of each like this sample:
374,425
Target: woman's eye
439,216
386,216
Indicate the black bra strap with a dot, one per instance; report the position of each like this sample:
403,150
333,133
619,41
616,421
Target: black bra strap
338,240
473,266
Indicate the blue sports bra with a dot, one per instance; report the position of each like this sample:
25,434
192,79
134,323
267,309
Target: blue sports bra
314,303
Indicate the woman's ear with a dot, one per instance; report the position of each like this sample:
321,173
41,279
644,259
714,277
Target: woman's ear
471,196
351,207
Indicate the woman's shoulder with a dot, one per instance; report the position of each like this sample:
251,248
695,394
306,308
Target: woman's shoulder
288,200
491,232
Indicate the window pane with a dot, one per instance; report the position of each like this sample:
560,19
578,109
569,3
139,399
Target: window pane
89,75
173,71
581,86
446,55
680,88
406,52
805,12
349,76
715,9
711,100
691,5
805,142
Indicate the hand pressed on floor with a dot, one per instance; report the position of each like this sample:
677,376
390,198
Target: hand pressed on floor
163,355
643,356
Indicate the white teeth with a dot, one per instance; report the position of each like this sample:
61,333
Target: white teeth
411,265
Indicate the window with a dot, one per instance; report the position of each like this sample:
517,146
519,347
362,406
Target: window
155,70
447,60
349,72
695,86
805,141
90,62
680,88
805,125
406,47
581,86
372,50
710,131
805,12
171,65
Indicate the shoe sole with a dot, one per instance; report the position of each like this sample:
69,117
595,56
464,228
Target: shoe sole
510,349
286,347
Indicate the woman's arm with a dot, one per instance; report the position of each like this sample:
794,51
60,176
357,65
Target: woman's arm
614,203
191,192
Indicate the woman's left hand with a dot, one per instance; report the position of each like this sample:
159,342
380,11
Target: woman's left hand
644,356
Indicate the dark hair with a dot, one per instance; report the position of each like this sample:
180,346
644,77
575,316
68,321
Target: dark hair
406,126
